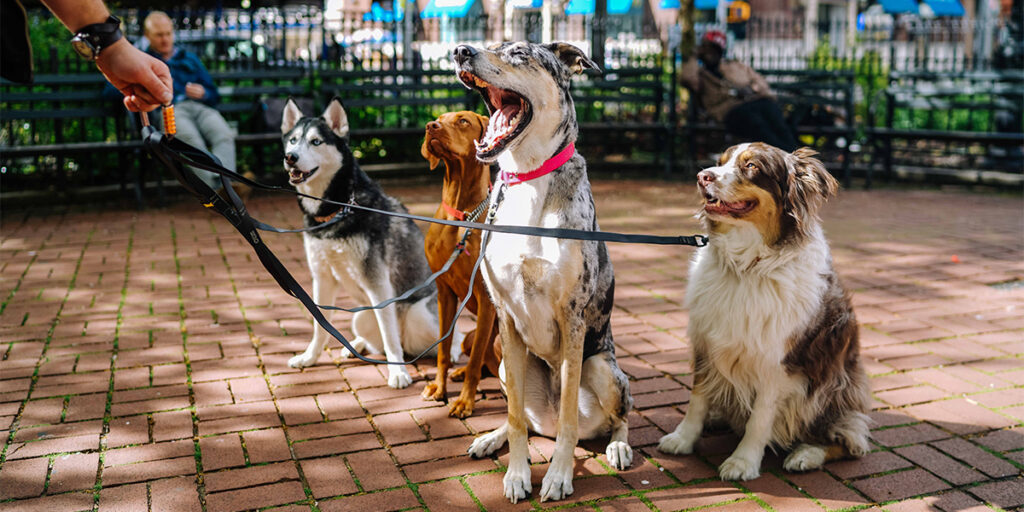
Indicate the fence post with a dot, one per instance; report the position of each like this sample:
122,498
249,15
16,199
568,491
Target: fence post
673,118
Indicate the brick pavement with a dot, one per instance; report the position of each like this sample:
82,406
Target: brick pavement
144,368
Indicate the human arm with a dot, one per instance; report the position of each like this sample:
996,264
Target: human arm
689,75
201,87
144,80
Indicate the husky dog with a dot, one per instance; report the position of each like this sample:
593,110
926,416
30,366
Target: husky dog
553,297
775,345
375,257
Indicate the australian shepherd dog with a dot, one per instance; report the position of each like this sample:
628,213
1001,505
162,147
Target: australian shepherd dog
775,344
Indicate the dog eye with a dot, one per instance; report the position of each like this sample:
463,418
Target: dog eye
316,142
464,122
751,165
293,140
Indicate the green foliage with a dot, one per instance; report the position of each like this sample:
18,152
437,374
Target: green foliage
49,38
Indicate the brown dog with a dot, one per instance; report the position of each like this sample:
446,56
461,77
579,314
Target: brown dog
466,186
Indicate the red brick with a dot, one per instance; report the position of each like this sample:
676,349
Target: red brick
329,429
438,424
1006,494
335,445
148,452
238,423
911,434
939,464
249,390
124,498
234,411
172,425
956,502
266,445
149,470
822,487
23,478
42,411
660,398
130,430
398,428
1001,398
255,497
779,495
382,501
145,406
977,458
907,396
70,501
698,495
299,410
375,470
168,374
643,475
131,378
221,452
328,477
48,446
211,393
154,393
941,414
870,464
439,469
1003,440
339,406
176,495
489,489
250,476
420,452
62,430
900,485
86,407
447,495
73,472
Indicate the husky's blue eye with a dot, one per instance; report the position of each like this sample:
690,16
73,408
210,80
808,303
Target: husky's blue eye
316,142
293,140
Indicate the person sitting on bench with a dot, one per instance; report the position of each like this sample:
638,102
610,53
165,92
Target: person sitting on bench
734,94
198,123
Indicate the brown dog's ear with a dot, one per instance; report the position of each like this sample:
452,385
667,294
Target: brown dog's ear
572,57
810,184
484,121
432,159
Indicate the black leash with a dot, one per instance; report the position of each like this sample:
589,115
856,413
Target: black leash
177,155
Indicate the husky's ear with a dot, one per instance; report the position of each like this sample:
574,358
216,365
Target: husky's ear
336,118
289,116
572,57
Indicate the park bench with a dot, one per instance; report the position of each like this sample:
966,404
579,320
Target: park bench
818,104
965,126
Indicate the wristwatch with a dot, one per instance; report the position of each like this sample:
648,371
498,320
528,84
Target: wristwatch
90,40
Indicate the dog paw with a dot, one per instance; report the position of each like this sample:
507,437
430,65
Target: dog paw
619,454
556,485
461,408
431,391
459,374
676,444
517,484
303,360
487,444
738,468
804,458
399,378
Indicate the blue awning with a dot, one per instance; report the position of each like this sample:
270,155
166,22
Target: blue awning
587,6
946,7
378,13
527,4
899,6
706,5
448,8
669,4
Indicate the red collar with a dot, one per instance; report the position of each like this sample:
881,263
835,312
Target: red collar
458,214
551,164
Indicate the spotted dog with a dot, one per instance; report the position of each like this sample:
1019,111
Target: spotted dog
775,345
553,297
375,257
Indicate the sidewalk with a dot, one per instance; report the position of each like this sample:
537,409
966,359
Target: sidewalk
144,368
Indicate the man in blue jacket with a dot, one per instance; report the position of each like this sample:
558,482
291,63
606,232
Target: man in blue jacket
195,95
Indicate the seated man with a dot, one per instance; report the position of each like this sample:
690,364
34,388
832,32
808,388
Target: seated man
736,95
198,123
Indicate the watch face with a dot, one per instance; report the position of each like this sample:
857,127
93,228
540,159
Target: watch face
83,47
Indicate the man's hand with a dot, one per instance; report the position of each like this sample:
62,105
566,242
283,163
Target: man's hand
144,80
195,91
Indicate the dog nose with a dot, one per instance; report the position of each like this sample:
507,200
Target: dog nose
433,126
291,158
705,178
463,52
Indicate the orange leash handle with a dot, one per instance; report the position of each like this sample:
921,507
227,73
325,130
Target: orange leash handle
169,127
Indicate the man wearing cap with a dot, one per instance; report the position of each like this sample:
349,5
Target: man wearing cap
734,94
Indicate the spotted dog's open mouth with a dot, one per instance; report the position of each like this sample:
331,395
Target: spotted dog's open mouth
715,205
509,110
296,175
